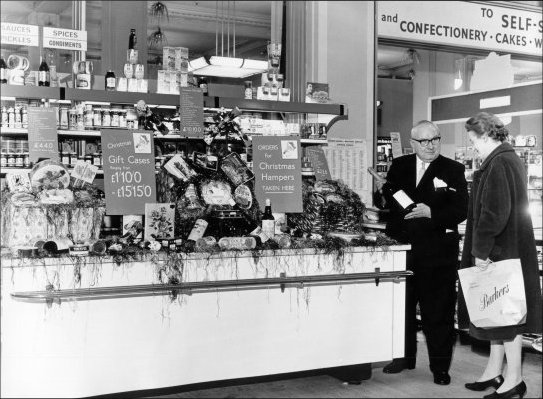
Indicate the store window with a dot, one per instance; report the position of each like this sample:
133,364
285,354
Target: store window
56,14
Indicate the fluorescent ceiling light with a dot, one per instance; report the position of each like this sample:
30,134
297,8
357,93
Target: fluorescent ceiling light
197,64
255,64
227,67
226,61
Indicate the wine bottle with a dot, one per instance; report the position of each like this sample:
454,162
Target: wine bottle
268,221
43,73
132,41
403,200
3,71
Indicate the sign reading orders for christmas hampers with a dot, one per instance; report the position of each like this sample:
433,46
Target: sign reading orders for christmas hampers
129,171
277,170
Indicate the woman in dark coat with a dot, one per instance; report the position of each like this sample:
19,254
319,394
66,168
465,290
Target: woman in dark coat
499,227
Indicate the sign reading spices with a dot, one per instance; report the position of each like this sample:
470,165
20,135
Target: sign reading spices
277,168
42,134
19,34
191,114
66,39
129,171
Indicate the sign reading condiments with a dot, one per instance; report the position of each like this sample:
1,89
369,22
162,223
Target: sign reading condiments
19,34
42,134
462,24
66,39
191,115
319,162
277,169
129,171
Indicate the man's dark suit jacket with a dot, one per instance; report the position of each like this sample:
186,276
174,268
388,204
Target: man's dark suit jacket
434,241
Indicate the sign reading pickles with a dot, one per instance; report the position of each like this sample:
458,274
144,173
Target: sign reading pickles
277,169
129,171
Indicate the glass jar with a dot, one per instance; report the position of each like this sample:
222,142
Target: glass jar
80,119
106,117
97,117
10,160
19,160
26,160
122,118
64,120
3,160
87,159
131,119
65,158
73,158
89,120
115,117
72,119
97,159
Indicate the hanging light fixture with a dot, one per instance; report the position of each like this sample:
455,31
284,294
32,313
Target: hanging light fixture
226,66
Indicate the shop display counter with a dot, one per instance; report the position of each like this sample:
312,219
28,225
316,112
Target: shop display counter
83,326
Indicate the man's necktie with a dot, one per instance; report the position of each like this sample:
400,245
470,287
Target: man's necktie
421,172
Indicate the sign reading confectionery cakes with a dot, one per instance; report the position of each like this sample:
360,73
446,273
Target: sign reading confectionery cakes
129,171
191,115
277,169
42,134
462,24
66,39
19,34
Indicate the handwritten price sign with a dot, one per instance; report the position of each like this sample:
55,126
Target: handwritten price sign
42,134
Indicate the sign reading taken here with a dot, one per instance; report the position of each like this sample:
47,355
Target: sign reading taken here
277,169
462,24
42,134
316,156
66,39
19,34
129,171
191,115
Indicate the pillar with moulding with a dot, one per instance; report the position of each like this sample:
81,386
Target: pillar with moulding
118,17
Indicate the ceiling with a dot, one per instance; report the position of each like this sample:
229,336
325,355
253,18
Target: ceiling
201,25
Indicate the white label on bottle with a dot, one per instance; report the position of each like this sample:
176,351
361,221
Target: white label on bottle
42,76
110,82
402,198
268,227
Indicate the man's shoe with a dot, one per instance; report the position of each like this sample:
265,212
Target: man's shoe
442,378
495,383
397,366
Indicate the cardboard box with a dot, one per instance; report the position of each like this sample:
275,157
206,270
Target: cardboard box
175,59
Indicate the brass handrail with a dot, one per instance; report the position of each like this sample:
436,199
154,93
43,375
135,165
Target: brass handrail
188,288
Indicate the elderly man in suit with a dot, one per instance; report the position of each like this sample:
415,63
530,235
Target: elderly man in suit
438,186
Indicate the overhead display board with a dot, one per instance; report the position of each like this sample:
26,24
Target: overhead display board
462,24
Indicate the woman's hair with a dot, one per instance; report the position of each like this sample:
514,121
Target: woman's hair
485,122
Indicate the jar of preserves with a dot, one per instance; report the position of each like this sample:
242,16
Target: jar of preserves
89,120
3,160
97,117
26,160
65,158
97,159
4,116
122,118
80,119
73,158
106,117
72,119
11,117
10,160
131,119
87,159
64,124
19,160
24,117
18,119
115,117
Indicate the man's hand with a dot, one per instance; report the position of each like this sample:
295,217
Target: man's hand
420,211
379,184
482,263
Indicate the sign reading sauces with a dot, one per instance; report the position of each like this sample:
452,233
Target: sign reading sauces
129,171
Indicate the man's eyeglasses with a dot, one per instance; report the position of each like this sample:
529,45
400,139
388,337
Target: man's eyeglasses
425,142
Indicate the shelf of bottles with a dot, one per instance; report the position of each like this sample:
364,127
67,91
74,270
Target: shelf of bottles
384,155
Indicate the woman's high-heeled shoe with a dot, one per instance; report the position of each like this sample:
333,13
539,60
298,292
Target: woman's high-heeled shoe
482,385
518,390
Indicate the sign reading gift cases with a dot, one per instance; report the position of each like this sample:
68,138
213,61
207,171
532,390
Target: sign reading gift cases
278,176
129,171
462,24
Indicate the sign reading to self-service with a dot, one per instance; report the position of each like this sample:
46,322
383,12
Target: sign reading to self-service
462,24
129,171
66,39
278,175
19,34
42,134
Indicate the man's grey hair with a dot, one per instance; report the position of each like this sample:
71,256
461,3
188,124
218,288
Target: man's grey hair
424,124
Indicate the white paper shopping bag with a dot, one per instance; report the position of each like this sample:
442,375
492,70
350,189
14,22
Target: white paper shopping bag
495,296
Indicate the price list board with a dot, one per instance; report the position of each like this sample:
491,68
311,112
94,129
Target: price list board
42,134
129,171
191,115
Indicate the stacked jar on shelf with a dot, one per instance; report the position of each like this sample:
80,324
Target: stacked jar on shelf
94,117
14,153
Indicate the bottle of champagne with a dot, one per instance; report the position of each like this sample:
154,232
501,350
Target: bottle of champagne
43,73
3,71
405,202
268,221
